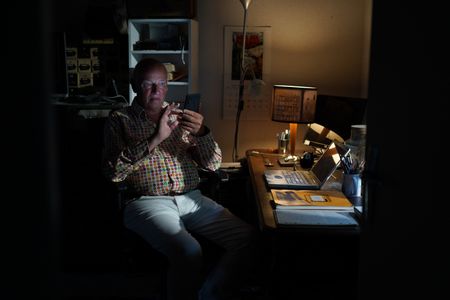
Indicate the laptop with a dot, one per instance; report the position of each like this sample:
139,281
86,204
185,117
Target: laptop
312,179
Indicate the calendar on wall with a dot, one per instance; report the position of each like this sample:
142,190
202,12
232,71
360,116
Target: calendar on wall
257,84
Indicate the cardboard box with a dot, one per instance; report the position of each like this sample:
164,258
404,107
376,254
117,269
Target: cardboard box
84,65
95,64
79,80
85,79
72,65
71,52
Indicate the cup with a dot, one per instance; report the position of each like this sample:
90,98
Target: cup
283,145
351,187
307,160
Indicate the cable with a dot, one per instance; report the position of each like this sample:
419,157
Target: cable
114,86
113,97
182,50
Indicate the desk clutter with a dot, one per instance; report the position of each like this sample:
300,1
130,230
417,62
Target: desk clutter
313,208
318,200
295,207
297,203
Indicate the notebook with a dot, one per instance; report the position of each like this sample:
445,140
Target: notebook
307,179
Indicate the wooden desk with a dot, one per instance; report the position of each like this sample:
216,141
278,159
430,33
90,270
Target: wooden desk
295,257
256,163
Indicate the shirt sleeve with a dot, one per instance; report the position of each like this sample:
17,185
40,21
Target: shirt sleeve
206,152
119,159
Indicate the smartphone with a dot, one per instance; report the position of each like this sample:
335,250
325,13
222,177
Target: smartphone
192,102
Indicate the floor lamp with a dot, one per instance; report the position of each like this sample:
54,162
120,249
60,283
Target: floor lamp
245,5
293,104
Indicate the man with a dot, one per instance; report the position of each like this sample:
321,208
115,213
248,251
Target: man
156,149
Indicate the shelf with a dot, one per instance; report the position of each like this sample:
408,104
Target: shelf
178,83
158,52
167,34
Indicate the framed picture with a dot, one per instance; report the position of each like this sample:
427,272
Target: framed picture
257,84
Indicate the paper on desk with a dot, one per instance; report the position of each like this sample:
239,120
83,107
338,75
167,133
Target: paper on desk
228,165
308,217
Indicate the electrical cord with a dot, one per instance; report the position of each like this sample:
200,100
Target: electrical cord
111,99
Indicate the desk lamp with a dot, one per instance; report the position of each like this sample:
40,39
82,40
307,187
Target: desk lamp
293,104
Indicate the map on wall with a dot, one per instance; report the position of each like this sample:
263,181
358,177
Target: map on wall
257,83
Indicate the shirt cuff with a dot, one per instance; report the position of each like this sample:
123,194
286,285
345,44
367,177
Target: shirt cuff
137,152
206,141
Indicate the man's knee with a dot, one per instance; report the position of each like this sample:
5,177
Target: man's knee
186,253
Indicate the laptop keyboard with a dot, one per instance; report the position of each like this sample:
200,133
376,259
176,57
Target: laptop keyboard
295,177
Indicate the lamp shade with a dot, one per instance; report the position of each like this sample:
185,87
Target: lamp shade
294,103
246,3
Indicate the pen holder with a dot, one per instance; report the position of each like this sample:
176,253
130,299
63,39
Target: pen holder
351,187
283,145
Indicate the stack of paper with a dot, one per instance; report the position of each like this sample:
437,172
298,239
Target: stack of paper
311,218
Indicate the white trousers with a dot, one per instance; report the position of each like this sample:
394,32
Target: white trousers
165,222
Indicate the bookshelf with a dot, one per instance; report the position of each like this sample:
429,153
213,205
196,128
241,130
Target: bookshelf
171,41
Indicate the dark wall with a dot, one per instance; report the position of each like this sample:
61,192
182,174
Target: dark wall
86,16
30,210
403,253
104,16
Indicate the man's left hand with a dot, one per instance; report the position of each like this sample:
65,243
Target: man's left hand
193,122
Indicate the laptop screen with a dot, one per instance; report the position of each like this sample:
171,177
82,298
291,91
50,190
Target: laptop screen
327,163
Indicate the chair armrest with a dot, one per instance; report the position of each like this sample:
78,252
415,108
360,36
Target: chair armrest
122,191
210,181
215,176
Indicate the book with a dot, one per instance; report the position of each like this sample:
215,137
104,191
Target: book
311,199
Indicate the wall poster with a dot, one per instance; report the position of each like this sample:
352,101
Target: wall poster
257,86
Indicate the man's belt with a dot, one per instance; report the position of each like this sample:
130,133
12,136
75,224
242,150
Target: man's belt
172,193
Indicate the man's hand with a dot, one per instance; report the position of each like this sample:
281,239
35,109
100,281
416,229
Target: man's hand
166,124
193,122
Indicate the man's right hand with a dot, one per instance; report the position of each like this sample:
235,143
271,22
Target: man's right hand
166,124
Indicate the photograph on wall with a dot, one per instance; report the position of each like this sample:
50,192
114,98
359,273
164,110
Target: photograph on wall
256,70
254,53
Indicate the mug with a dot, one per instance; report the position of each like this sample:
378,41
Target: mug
307,160
351,185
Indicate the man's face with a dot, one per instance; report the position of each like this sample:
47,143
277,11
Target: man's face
153,89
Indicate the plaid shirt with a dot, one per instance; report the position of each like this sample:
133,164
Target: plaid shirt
170,167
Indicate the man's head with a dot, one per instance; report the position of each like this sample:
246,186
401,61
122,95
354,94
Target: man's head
149,82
